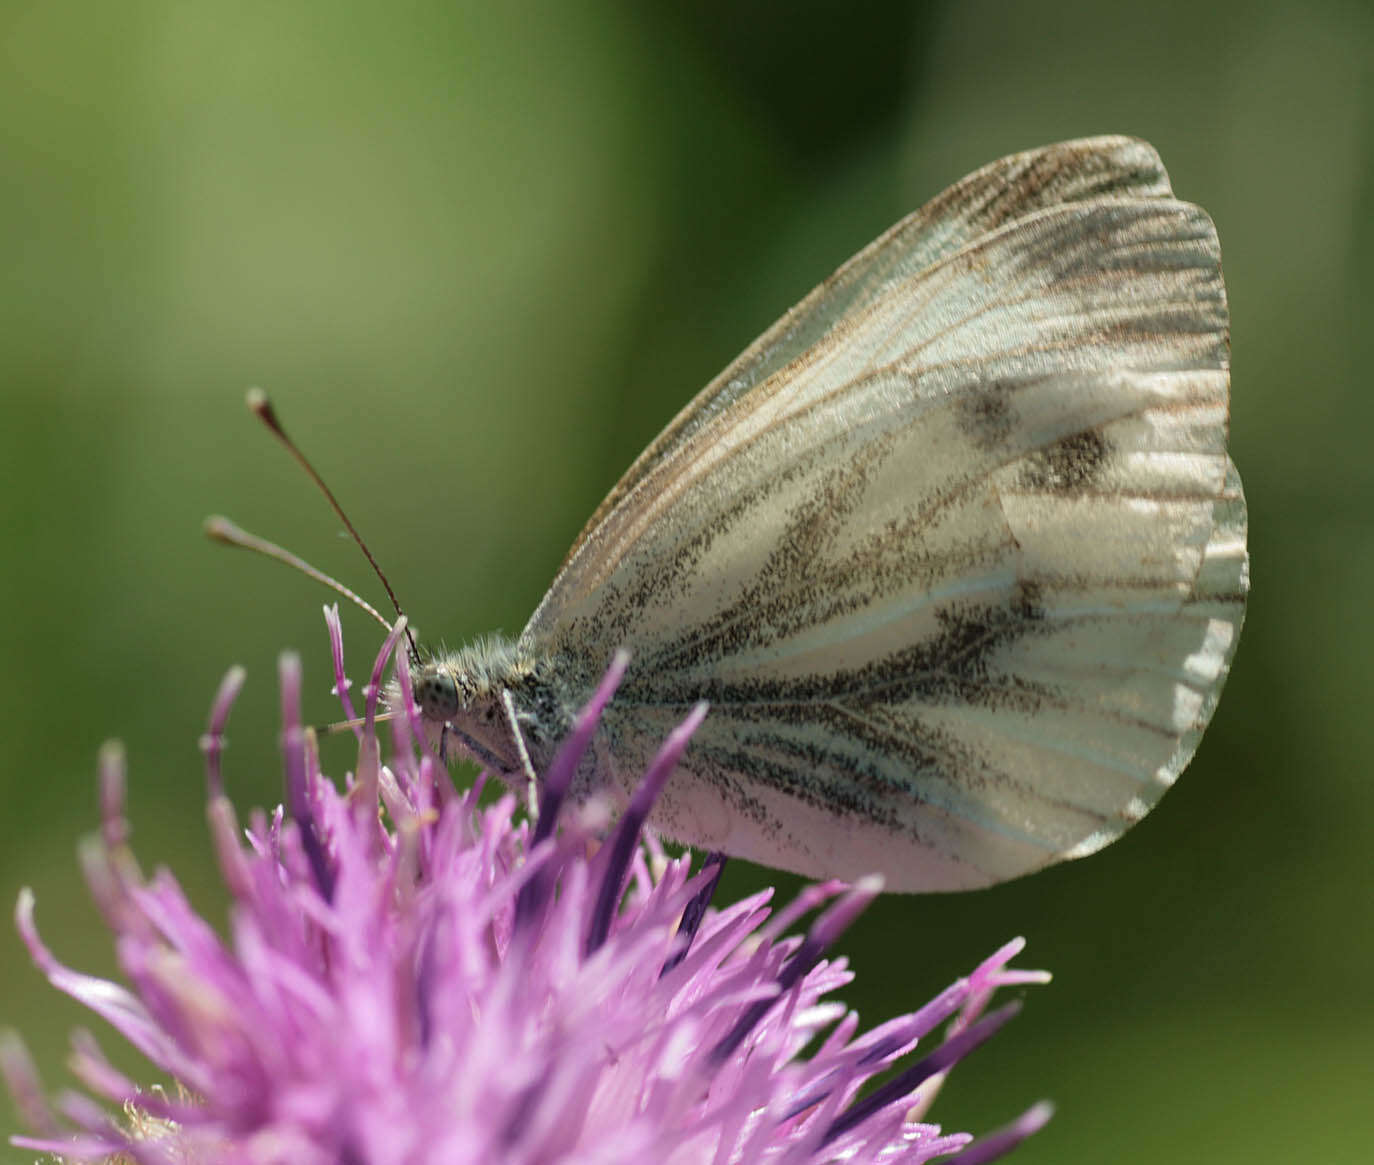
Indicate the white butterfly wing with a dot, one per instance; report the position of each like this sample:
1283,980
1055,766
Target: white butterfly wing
961,579
1101,167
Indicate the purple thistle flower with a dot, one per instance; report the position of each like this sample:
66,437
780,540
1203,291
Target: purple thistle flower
410,977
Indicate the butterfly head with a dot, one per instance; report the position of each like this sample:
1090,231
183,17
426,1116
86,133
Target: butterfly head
441,692
461,696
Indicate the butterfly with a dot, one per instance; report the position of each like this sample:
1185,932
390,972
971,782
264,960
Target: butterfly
954,550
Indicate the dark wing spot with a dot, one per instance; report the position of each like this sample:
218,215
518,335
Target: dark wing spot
1069,465
985,414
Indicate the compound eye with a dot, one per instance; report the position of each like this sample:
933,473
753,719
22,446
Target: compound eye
437,695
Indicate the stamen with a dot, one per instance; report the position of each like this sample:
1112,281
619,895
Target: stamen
1005,1139
234,866
297,774
695,911
827,929
409,711
341,681
942,1059
809,898
212,743
89,1064
114,829
626,837
21,1076
558,779
374,686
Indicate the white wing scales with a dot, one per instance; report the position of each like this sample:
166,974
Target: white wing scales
956,553
1004,190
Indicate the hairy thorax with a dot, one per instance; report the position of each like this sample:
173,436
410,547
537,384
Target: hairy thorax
474,701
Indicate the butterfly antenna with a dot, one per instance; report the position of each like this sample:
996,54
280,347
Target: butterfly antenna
224,531
262,409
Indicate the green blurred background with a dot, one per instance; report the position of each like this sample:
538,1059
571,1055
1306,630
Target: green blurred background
480,253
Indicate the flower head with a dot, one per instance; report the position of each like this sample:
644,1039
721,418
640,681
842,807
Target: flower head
411,977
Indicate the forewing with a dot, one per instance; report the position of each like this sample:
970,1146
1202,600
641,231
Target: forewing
998,193
961,583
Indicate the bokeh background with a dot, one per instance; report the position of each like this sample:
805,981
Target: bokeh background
480,253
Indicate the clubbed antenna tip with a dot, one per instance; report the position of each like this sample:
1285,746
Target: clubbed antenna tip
261,407
222,530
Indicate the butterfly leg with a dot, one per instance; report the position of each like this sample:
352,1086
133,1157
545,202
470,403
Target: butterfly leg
481,754
532,781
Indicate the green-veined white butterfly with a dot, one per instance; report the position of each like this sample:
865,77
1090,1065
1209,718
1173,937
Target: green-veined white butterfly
954,550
